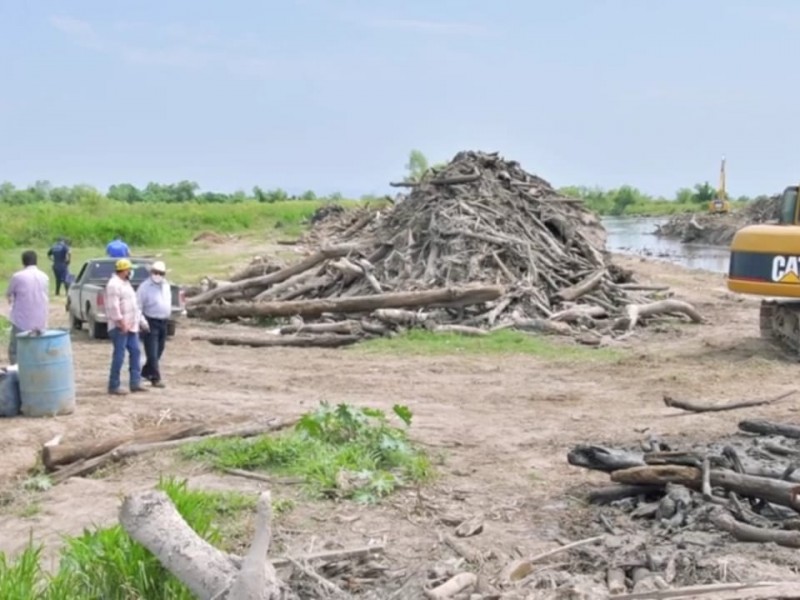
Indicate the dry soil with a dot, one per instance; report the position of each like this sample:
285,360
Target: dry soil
500,426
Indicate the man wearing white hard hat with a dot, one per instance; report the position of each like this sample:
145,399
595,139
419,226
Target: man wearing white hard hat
155,300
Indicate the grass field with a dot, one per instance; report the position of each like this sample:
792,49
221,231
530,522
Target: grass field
147,224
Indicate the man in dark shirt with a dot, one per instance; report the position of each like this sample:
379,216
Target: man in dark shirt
60,254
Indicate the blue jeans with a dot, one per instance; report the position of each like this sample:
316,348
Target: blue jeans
122,342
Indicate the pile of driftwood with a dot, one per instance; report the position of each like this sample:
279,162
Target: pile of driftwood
718,229
479,244
688,499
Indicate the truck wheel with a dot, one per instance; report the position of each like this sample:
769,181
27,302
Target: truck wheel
77,324
171,326
96,330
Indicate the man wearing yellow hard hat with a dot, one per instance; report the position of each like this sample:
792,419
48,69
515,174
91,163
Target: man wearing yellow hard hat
124,322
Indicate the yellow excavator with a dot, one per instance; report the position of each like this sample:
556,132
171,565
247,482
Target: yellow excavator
765,261
720,204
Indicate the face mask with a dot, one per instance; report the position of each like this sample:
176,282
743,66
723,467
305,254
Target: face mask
157,278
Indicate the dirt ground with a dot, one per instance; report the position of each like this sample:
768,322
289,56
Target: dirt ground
500,425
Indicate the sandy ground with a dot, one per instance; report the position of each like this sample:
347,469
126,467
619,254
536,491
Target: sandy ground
502,425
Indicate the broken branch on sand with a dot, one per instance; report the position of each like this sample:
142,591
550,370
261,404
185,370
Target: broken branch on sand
634,312
56,455
151,519
84,466
700,408
762,427
750,533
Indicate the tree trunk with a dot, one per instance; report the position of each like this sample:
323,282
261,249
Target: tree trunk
356,304
151,519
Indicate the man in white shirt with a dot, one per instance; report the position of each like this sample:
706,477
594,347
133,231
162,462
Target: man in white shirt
28,293
155,300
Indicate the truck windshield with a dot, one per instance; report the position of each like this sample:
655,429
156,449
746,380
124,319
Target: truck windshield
789,206
104,270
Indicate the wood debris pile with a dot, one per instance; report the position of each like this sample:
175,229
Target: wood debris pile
478,244
719,230
674,513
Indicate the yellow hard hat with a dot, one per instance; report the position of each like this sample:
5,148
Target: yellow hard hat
123,264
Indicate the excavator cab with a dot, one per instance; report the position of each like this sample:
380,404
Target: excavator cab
765,261
789,215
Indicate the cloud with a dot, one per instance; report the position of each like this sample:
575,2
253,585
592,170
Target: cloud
427,26
81,32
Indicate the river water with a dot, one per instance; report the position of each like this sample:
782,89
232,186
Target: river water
634,235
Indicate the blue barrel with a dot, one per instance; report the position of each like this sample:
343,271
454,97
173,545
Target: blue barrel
46,374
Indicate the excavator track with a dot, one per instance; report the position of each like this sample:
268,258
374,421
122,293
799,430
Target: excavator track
780,323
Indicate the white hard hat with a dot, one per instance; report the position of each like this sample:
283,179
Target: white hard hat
158,266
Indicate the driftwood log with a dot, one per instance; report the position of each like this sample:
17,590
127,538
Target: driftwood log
151,519
700,408
273,341
83,467
56,455
452,297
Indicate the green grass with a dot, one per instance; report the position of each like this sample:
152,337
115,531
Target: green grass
342,451
5,328
147,224
107,563
422,342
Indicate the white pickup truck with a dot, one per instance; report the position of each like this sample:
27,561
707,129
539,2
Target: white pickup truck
86,295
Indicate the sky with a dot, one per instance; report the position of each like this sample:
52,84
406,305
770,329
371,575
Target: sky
332,95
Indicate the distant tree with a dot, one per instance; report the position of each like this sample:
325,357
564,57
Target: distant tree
703,193
684,196
124,192
417,166
308,196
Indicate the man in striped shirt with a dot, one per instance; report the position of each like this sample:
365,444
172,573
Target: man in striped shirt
124,321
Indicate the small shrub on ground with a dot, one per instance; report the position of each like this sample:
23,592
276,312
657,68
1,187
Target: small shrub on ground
341,451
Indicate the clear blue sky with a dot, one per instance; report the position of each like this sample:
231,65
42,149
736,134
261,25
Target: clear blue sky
331,95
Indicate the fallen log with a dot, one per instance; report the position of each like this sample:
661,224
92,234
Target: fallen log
273,341
151,519
779,492
768,428
599,458
700,408
612,493
578,312
749,533
344,327
583,287
86,466
542,326
271,278
54,456
449,297
634,312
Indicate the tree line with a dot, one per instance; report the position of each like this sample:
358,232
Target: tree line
171,193
617,201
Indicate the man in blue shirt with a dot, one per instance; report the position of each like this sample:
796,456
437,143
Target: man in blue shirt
60,254
118,248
